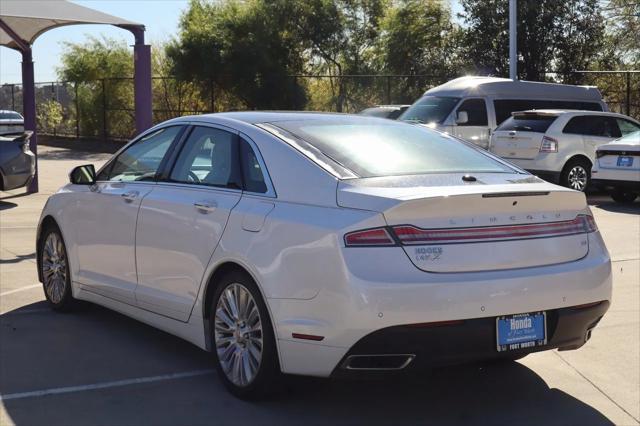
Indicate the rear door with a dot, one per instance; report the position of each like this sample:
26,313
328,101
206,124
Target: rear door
182,220
520,136
476,128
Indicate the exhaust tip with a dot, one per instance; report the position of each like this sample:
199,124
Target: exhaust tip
379,362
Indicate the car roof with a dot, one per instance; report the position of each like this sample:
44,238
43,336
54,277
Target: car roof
572,112
515,89
256,117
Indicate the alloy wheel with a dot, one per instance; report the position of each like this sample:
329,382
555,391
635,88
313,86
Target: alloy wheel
238,334
578,178
54,268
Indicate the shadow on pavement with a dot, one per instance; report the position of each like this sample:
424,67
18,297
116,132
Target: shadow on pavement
43,350
612,206
71,155
4,205
18,258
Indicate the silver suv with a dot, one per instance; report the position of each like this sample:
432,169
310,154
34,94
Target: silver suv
558,145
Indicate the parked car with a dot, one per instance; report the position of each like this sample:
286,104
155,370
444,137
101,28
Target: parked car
558,145
385,111
326,245
17,162
617,168
472,107
11,122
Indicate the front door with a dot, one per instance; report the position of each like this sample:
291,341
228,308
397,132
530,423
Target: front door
182,220
475,128
104,217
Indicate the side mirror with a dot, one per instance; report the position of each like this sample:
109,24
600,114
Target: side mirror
462,117
83,175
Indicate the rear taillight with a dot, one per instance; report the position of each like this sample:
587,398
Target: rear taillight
410,235
369,237
548,144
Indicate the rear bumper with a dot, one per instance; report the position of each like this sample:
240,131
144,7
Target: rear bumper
468,340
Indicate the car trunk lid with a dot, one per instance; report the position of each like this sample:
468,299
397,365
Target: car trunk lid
500,221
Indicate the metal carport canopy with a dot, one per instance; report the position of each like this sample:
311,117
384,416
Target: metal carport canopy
23,21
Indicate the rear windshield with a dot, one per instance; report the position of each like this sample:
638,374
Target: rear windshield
374,147
529,123
430,109
10,115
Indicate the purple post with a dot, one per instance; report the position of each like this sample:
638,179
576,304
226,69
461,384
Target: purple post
142,81
29,108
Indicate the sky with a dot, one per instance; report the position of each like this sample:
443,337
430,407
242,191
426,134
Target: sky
160,17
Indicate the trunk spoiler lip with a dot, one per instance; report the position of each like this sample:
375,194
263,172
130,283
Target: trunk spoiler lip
24,136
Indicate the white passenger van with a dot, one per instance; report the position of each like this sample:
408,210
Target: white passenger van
472,107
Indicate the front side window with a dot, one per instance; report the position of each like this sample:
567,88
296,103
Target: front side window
430,109
208,158
626,126
141,161
476,110
370,148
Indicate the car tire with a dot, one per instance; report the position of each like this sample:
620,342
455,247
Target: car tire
242,338
620,196
55,270
576,174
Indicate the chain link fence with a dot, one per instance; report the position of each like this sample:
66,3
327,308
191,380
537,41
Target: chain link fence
104,109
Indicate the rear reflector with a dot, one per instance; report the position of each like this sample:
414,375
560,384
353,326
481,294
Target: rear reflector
369,237
410,235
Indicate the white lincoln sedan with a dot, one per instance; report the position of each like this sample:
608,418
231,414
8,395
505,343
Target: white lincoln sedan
326,245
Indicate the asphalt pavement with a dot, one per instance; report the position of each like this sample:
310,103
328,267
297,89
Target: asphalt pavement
94,366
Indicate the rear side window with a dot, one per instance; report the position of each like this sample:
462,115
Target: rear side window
371,148
504,107
593,125
10,115
252,173
626,126
476,110
529,123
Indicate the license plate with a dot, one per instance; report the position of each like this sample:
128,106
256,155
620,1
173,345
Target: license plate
521,331
625,161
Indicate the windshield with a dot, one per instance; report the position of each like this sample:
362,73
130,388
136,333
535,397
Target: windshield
373,147
430,109
10,115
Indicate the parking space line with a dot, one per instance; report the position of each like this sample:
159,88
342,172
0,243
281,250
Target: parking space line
17,290
105,385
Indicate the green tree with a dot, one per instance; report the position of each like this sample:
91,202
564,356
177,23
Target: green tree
564,35
49,116
243,49
418,38
102,68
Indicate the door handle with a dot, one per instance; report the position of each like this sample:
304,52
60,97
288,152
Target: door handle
130,196
205,206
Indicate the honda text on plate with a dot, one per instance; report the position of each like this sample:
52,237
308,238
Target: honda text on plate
326,245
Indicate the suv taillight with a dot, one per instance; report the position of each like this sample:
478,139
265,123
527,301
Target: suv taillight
548,144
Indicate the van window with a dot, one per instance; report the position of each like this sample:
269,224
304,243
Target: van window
593,125
504,107
430,109
528,123
476,110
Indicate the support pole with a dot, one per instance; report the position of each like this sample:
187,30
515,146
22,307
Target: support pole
628,93
29,109
513,40
142,80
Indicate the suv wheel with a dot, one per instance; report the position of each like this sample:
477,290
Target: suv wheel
576,175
